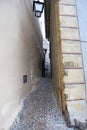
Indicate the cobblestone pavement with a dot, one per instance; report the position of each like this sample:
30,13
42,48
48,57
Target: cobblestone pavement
40,111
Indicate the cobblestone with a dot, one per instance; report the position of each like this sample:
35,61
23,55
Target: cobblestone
40,111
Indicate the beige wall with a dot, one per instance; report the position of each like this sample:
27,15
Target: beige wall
56,57
67,65
74,83
20,54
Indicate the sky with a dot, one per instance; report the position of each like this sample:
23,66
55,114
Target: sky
42,22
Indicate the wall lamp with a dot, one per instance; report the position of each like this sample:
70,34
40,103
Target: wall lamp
38,8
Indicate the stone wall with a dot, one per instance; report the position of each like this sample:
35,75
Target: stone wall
67,60
74,82
20,56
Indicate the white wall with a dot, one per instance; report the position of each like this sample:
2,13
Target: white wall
47,58
20,54
82,17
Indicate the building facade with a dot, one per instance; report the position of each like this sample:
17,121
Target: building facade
66,30
20,56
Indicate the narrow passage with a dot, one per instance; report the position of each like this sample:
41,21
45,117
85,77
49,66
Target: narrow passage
40,111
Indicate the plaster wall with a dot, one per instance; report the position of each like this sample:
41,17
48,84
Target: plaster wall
47,58
20,54
56,57
82,18
53,39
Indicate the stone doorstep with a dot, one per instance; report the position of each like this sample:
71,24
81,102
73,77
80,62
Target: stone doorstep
77,112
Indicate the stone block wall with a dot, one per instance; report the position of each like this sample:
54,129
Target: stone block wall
74,81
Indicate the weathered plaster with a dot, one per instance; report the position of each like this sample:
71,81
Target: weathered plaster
20,54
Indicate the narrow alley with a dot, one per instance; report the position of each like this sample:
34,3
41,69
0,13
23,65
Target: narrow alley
43,76
40,111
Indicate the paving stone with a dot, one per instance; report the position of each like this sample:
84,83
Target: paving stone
40,111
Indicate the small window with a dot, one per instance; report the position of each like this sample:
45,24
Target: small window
24,79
